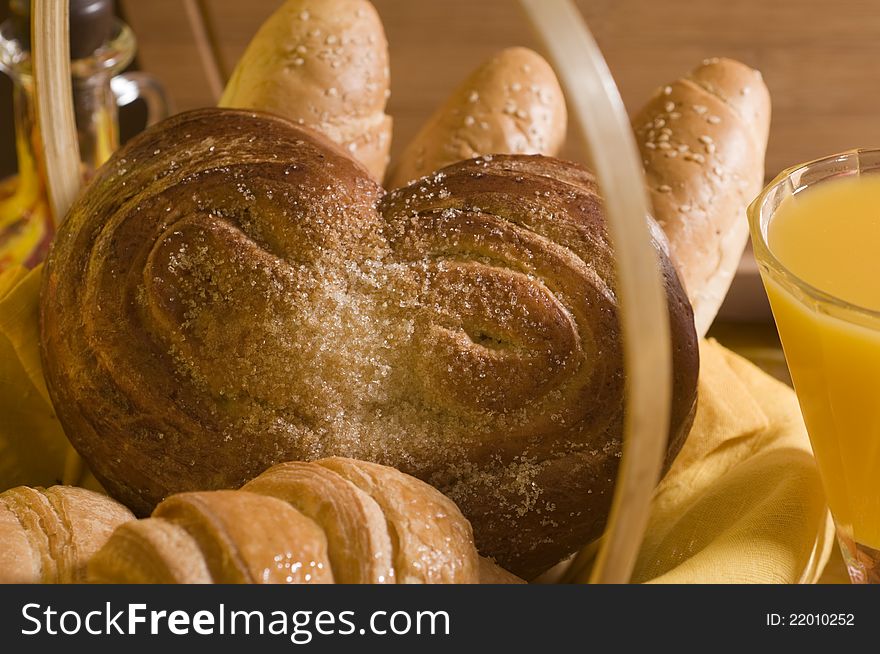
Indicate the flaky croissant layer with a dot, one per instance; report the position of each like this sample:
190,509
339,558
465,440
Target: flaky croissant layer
334,520
232,291
48,535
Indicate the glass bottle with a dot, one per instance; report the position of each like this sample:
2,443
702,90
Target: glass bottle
101,47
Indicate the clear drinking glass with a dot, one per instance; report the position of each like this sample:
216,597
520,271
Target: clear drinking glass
832,348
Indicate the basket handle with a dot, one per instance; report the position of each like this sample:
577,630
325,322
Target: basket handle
599,113
50,35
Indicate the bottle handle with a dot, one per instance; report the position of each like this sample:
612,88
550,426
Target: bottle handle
128,87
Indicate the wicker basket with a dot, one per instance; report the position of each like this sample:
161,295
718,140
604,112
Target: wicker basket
604,127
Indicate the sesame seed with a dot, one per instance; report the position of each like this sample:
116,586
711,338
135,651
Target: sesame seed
674,115
705,139
304,15
659,122
516,87
468,121
667,90
664,188
650,146
700,109
669,106
663,145
683,147
671,154
663,137
714,120
473,97
299,61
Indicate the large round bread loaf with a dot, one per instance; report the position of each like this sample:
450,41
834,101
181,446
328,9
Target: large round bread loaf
232,291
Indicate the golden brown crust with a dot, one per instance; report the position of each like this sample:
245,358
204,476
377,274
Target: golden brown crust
361,523
431,541
150,551
322,64
250,538
48,535
358,543
703,139
19,560
212,306
511,104
528,231
162,241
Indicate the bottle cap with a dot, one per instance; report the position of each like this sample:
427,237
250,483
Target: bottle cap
91,24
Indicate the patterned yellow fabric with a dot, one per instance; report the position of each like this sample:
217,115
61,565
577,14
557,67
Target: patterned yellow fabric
742,503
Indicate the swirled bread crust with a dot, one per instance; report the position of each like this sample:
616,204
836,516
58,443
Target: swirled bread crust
232,291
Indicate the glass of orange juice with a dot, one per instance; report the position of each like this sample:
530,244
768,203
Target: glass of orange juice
816,235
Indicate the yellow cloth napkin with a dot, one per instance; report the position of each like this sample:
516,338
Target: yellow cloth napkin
32,443
742,503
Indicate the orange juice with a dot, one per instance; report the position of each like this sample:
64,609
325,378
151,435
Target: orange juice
828,236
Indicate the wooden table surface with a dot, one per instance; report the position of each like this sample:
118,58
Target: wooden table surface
817,56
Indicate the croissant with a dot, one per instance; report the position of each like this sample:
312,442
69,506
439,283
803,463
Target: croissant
48,535
333,520
232,291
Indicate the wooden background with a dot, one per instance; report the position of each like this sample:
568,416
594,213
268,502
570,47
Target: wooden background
818,57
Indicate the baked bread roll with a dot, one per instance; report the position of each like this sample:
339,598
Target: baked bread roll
334,520
512,104
232,291
323,64
48,535
703,139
